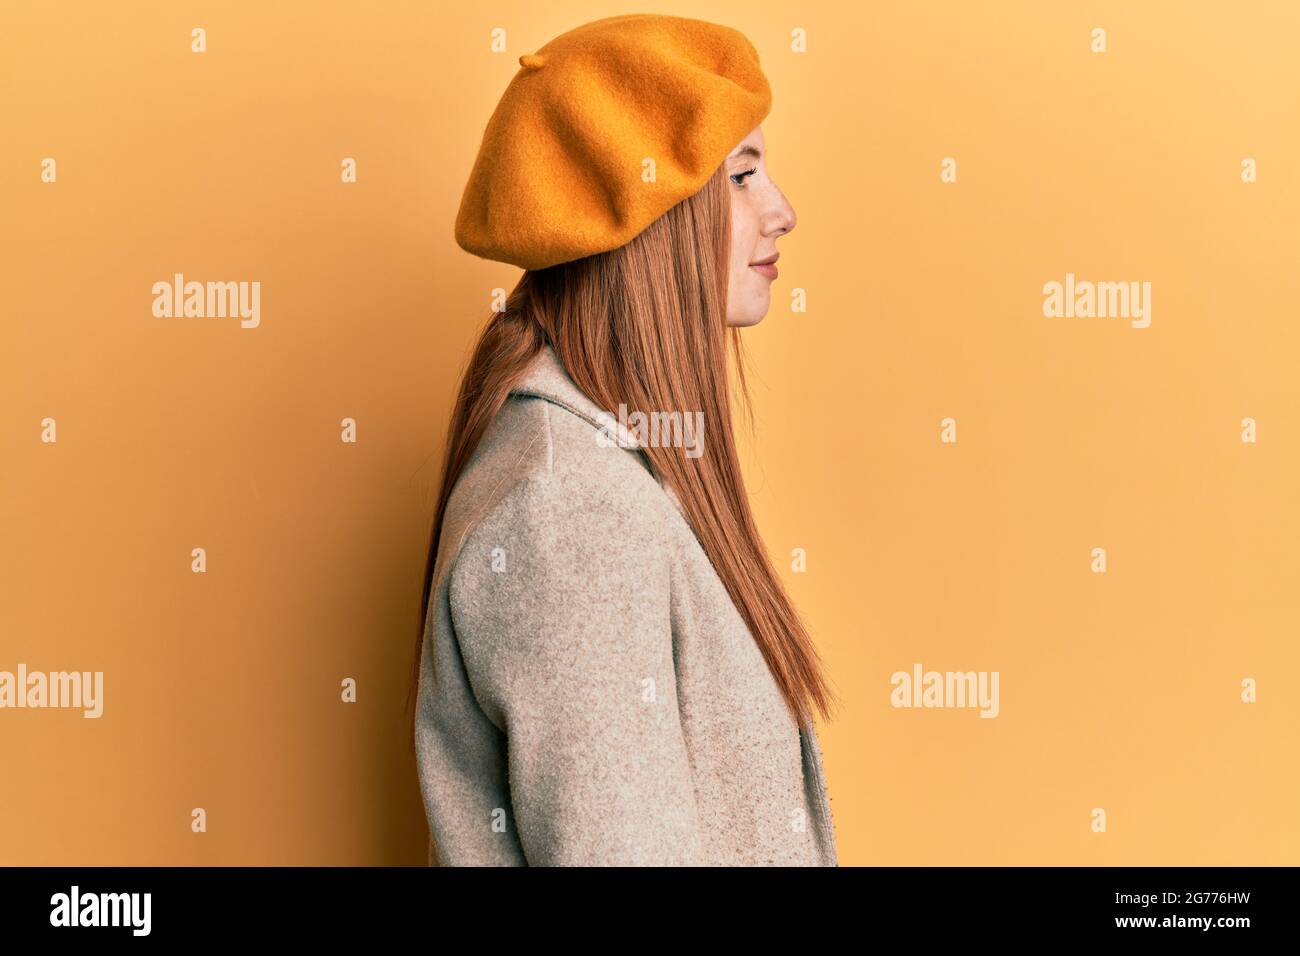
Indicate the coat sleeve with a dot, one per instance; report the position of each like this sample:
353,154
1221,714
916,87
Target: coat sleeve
560,604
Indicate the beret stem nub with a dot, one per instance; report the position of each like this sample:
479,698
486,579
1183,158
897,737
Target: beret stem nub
532,61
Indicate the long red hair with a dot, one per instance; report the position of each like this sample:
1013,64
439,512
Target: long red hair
645,325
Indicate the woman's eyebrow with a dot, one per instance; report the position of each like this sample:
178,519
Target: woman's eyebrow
747,151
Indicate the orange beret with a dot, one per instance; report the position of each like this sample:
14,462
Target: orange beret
562,170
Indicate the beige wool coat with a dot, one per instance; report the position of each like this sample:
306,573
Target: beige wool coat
588,693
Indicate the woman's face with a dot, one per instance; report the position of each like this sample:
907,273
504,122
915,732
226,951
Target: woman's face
760,215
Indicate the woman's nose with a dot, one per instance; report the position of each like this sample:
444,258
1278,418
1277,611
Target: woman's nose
782,218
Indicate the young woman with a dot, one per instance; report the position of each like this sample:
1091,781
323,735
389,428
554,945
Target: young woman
609,670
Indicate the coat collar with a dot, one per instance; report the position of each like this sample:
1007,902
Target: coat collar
547,378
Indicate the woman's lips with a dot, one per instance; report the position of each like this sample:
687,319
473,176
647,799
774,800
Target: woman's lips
767,268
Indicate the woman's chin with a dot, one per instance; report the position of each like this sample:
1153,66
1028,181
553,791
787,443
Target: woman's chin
746,320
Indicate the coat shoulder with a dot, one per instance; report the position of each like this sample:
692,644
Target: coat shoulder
540,462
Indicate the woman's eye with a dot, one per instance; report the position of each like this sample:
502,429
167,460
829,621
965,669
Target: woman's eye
738,178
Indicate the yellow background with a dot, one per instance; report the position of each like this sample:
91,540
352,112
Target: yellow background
1118,690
